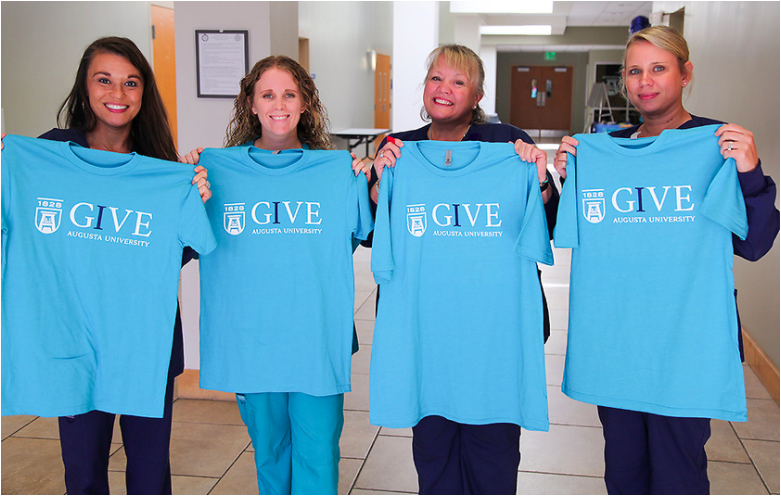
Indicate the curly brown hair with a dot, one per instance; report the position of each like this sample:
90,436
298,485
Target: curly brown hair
313,127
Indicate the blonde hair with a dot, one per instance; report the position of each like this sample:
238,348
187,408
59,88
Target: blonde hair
665,38
313,127
465,60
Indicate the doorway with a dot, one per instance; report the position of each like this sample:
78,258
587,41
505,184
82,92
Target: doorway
382,87
541,98
164,61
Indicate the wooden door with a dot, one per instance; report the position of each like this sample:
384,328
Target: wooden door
556,111
541,97
382,87
524,96
164,58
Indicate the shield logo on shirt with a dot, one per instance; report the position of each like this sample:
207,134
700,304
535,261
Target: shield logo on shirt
233,219
594,205
48,215
416,220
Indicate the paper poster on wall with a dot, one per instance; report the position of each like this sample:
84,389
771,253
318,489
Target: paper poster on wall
222,60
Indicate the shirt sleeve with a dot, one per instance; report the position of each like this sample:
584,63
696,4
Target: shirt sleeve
194,228
759,193
382,254
364,221
534,240
565,234
724,202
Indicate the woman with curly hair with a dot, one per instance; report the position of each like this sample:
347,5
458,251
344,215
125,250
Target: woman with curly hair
288,366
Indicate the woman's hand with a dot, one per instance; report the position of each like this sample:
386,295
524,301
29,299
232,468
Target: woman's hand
738,143
204,187
359,166
192,157
1,140
530,153
568,145
387,156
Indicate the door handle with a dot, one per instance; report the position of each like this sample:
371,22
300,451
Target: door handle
549,87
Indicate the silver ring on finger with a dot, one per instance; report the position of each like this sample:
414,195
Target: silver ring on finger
729,146
381,154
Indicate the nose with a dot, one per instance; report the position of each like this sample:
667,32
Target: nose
645,78
118,90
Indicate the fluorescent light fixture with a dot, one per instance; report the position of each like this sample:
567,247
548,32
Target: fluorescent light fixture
517,30
502,7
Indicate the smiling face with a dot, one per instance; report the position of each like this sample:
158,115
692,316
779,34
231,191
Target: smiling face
278,104
115,90
654,79
449,95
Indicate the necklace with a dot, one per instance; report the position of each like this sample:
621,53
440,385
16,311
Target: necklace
428,133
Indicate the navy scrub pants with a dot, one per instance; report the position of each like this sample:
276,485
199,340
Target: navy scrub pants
86,442
654,454
453,458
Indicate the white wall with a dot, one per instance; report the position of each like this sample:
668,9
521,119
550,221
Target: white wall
415,35
341,36
42,44
736,79
202,121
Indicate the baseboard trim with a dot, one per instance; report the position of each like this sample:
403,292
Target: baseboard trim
765,369
187,388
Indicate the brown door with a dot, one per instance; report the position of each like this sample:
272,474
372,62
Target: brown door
541,97
164,57
382,86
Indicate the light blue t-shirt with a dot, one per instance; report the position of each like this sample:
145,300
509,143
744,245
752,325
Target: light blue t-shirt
652,318
459,331
277,295
92,246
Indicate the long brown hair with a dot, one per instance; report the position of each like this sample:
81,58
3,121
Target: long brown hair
150,132
313,126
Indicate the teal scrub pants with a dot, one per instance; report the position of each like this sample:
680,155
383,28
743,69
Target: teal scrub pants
296,440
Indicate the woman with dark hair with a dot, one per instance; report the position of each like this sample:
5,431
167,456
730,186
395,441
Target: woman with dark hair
115,106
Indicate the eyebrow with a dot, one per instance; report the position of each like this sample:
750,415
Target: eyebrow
109,74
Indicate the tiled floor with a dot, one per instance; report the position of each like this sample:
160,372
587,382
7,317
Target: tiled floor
211,451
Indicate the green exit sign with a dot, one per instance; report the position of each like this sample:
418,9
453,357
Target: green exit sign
550,55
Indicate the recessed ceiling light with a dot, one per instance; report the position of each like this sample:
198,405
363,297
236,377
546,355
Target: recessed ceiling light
502,7
517,30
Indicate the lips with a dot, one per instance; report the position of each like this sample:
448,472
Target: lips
115,107
647,96
279,117
440,101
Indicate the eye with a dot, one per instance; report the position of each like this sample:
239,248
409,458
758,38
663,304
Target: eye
131,84
436,78
291,95
459,83
103,80
267,96
659,68
634,72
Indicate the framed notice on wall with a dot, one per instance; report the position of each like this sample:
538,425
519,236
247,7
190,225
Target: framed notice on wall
222,59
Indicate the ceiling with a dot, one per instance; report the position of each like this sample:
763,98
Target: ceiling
563,15
605,13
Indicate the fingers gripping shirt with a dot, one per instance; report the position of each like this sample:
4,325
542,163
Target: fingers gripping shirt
277,295
652,323
92,247
458,332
